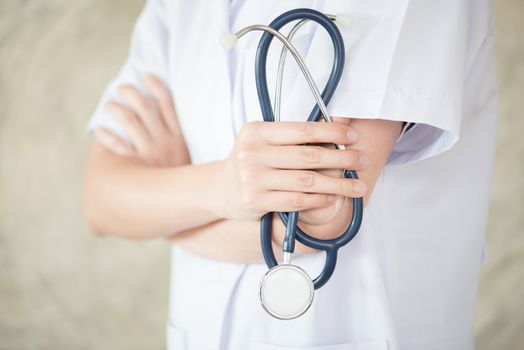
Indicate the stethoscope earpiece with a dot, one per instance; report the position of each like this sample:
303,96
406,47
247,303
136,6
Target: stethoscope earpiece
344,19
228,41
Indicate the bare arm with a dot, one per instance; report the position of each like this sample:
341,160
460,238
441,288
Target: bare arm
130,191
124,196
240,241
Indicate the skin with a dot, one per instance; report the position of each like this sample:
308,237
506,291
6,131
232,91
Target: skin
149,188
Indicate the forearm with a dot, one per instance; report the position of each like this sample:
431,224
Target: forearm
233,241
125,197
239,241
226,240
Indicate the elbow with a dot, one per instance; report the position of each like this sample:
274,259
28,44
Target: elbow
93,225
89,212
102,220
90,206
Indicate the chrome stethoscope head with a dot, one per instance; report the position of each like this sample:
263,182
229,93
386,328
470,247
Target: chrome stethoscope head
286,291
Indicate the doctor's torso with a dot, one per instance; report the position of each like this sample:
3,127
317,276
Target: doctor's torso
408,280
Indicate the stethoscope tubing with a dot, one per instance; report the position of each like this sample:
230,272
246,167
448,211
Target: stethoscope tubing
290,220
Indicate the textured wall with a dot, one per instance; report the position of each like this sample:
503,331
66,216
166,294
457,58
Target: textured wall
500,307
60,288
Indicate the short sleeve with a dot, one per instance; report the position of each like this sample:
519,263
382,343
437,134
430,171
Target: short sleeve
148,53
405,61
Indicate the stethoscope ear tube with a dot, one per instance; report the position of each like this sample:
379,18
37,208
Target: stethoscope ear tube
263,49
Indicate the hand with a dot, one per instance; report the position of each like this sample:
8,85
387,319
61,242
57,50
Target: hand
151,123
270,168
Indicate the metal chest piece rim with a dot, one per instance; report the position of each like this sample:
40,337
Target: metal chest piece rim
286,291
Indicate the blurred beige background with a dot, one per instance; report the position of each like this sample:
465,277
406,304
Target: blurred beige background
60,288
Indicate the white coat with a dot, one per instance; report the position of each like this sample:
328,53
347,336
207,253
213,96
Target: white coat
409,278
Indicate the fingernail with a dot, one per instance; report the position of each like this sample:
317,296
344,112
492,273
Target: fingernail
352,135
364,160
332,197
359,187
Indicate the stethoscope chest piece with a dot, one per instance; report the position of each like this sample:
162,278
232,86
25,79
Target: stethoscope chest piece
286,291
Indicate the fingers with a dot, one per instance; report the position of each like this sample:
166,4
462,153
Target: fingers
162,95
145,109
312,157
149,119
133,125
114,143
295,133
312,182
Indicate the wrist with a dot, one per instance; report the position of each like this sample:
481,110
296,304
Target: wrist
216,189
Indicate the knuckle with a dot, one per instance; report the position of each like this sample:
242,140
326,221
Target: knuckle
134,123
256,127
153,156
349,190
248,176
306,179
110,106
325,200
129,117
256,124
147,156
141,101
163,157
164,96
341,131
116,109
306,130
311,154
297,200
249,131
245,155
249,200
338,130
113,142
156,81
342,186
349,159
169,152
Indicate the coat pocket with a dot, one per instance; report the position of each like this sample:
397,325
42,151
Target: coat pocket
176,338
365,345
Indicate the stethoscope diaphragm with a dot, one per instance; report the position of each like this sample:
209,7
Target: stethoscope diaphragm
286,291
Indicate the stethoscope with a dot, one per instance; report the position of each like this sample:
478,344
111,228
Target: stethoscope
286,290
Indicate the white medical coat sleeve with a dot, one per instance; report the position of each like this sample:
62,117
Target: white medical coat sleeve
148,53
405,61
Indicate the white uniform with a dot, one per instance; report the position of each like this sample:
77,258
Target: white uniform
409,278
